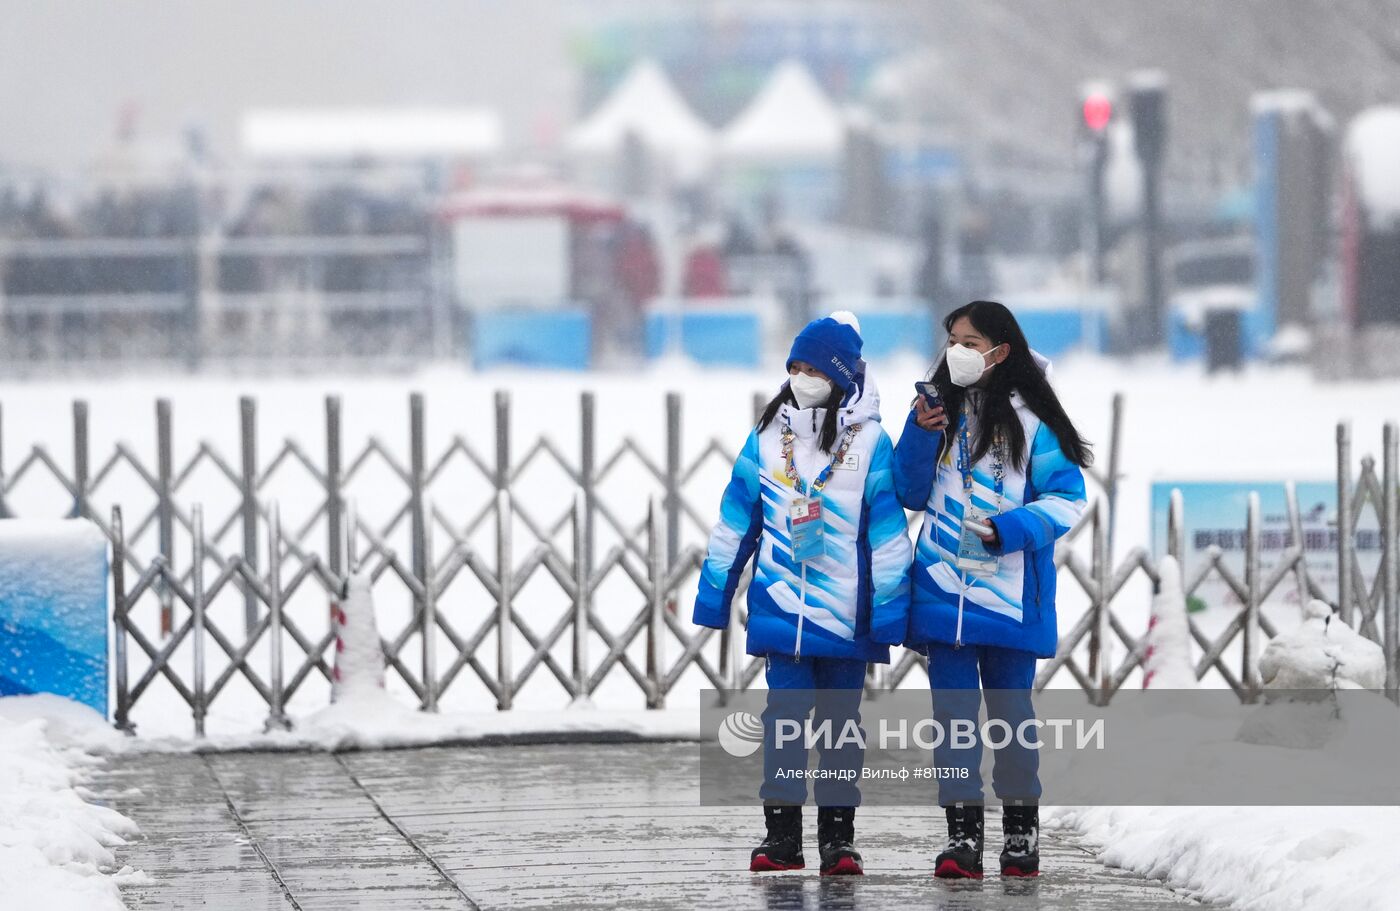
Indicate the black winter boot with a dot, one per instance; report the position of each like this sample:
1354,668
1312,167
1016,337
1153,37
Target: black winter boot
962,858
782,849
1021,826
836,832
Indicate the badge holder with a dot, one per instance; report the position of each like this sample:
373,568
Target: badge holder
973,555
807,529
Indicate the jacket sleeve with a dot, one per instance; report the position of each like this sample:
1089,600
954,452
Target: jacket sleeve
915,461
733,540
890,550
1058,501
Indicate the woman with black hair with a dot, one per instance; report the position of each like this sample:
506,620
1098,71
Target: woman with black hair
812,494
996,469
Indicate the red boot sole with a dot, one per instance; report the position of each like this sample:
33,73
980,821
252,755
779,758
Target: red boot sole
1020,874
761,864
846,866
949,869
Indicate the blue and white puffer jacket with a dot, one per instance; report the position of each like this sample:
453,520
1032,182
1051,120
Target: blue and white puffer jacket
853,601
1015,607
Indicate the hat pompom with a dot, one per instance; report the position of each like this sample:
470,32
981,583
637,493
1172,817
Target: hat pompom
846,317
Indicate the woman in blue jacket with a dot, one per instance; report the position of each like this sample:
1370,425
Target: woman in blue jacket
996,471
812,494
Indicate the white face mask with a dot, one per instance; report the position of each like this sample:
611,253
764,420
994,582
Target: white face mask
809,391
966,365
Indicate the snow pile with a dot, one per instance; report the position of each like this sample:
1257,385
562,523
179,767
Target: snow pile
1321,656
1371,148
1257,858
54,846
1270,857
1323,653
359,655
1167,664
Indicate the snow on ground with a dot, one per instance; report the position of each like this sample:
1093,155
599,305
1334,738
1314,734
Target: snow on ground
1255,858
55,847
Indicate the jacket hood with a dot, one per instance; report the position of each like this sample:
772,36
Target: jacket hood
1045,366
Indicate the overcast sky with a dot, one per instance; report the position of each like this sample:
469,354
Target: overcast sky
1000,69
68,67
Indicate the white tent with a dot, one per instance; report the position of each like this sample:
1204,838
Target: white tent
790,119
393,133
647,105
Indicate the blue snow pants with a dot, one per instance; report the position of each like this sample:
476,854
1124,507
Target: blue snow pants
829,689
1007,676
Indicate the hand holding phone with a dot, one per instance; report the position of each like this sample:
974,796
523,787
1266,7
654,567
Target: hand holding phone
928,408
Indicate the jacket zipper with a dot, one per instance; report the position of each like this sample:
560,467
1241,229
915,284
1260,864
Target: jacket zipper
802,595
801,615
962,594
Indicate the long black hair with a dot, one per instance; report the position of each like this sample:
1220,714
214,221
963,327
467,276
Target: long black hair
1019,373
832,406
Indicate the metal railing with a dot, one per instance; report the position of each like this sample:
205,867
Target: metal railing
189,300
1375,602
223,568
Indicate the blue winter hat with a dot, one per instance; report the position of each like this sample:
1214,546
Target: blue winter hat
832,345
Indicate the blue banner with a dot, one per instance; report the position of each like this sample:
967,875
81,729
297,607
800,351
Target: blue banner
53,610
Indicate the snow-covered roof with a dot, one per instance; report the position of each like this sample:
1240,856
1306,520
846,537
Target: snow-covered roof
395,133
790,118
646,104
1373,153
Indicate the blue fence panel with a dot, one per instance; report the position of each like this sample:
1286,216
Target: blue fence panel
561,339
889,332
1054,332
726,337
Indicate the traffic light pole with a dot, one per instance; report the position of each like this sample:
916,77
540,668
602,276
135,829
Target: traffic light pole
1096,112
1097,163
1148,106
1152,252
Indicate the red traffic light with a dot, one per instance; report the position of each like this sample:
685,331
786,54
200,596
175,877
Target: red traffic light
1098,110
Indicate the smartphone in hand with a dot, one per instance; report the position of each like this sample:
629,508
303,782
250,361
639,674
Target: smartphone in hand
930,393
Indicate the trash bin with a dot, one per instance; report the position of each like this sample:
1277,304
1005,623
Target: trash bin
1224,340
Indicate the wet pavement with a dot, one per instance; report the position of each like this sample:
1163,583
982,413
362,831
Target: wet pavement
527,826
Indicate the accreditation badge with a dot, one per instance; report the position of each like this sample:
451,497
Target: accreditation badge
807,529
973,555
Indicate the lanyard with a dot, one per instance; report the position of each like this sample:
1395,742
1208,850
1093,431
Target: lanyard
787,436
965,461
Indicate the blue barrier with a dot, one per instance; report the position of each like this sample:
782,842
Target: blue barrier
727,337
1054,332
891,331
560,339
1186,343
53,610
